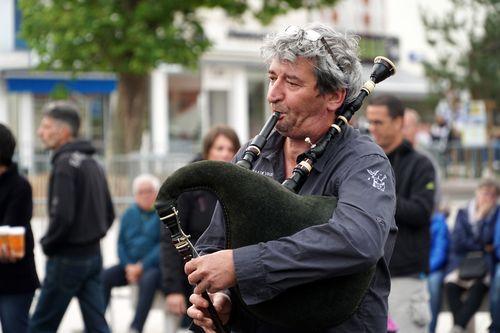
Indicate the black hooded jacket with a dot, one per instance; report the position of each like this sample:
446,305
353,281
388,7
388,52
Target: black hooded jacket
415,186
16,207
80,206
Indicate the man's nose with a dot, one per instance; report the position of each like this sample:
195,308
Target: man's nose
371,128
275,92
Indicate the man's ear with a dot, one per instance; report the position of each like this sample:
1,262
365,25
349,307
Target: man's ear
66,132
398,123
336,99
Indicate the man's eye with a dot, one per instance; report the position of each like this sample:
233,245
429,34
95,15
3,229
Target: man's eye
294,84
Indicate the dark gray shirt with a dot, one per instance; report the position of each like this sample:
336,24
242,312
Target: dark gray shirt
360,233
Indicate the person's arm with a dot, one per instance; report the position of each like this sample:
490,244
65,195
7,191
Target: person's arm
110,209
18,212
122,246
19,208
462,240
415,211
440,240
62,207
496,237
351,241
172,273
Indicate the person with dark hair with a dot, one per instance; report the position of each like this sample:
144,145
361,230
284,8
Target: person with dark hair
196,208
438,254
313,72
18,277
138,250
80,212
415,190
473,233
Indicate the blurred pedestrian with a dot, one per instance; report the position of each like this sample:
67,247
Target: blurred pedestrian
138,250
440,243
415,185
18,278
195,209
80,213
471,256
411,125
439,229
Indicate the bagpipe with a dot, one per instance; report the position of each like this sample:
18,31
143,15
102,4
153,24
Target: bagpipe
259,209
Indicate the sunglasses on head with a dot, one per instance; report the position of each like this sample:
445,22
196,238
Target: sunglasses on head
310,35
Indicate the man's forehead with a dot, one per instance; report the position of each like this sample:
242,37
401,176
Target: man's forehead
297,62
47,120
300,67
379,110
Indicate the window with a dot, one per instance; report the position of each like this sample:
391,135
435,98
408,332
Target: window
184,112
19,44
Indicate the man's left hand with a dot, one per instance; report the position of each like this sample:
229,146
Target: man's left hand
211,272
133,272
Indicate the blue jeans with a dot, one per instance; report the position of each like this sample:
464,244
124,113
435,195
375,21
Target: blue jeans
495,301
65,278
148,284
14,312
435,283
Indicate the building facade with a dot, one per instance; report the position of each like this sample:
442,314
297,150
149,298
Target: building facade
228,87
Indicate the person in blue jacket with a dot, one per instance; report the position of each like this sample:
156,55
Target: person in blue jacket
437,262
473,231
495,284
138,250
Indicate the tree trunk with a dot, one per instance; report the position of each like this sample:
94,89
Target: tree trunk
132,111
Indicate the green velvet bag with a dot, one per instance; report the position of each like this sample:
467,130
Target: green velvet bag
258,209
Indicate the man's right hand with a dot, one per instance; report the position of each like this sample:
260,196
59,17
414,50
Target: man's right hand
6,256
198,311
175,303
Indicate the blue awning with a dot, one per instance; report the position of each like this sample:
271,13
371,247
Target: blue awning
40,85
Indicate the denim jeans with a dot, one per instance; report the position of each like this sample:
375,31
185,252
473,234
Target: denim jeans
148,284
14,312
495,301
435,284
67,277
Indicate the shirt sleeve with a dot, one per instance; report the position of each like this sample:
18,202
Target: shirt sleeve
415,210
122,246
351,241
62,208
496,239
439,244
19,207
462,239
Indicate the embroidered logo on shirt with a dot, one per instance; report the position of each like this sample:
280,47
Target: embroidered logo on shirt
378,179
264,173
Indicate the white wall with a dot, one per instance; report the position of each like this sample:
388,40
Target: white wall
403,21
6,26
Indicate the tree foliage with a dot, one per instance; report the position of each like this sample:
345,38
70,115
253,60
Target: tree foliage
130,38
466,41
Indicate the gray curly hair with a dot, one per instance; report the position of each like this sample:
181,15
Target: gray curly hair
339,70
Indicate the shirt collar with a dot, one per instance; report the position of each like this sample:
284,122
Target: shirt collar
275,143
